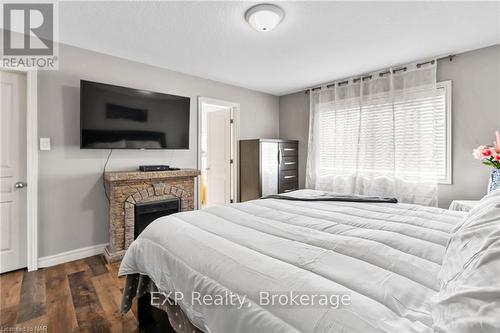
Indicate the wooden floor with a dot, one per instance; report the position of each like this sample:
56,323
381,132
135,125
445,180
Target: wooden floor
79,296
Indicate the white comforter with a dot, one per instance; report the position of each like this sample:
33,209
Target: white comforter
385,256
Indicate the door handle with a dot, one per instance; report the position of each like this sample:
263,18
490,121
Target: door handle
20,185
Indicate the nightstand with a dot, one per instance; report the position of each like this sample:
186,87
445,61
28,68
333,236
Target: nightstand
463,205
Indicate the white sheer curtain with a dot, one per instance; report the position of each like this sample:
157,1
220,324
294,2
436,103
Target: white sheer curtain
376,135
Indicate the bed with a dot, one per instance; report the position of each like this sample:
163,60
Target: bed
385,257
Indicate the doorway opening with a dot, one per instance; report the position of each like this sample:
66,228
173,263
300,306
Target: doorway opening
217,151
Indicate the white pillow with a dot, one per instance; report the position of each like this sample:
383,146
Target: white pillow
469,297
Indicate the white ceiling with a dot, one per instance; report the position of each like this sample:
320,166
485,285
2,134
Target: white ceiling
316,42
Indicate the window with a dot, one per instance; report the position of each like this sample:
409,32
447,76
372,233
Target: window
380,138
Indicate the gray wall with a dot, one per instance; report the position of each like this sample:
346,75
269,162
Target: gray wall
475,78
294,125
73,211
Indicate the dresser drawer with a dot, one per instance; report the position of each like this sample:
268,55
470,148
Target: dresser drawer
288,187
288,149
288,163
288,181
288,176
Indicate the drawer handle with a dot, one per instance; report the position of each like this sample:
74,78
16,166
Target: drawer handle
289,149
289,163
288,177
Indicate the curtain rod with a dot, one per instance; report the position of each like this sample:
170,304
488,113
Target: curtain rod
366,77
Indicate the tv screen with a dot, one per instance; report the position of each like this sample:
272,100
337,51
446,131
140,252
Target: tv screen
113,117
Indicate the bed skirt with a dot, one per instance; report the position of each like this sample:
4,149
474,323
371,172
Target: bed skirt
138,285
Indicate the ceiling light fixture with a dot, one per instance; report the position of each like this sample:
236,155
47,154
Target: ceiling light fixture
264,17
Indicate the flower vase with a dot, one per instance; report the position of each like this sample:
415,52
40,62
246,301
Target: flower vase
494,180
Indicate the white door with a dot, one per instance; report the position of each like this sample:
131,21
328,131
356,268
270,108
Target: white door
13,198
218,157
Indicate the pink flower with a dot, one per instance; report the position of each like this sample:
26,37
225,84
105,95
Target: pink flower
497,142
477,153
485,153
489,155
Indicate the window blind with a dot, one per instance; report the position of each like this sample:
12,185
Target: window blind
384,138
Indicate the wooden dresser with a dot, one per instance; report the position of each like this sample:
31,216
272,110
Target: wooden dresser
267,166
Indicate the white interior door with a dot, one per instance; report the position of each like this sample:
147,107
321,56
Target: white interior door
13,198
218,157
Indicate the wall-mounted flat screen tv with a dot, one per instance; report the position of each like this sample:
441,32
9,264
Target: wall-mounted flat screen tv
113,117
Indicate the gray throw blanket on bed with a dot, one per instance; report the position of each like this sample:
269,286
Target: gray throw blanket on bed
325,196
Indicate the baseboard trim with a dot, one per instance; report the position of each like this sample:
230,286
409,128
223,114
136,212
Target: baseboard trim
68,256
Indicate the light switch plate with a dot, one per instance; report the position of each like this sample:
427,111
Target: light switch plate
44,143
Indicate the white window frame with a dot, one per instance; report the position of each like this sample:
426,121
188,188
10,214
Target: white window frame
447,86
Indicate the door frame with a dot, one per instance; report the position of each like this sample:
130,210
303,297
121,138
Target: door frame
235,135
31,162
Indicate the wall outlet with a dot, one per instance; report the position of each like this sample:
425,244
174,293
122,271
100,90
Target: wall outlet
44,143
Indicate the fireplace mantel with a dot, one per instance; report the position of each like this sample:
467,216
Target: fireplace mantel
118,176
126,188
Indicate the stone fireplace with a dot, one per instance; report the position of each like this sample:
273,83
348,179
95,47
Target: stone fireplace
126,189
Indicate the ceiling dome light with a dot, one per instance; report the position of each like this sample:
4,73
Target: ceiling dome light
264,17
